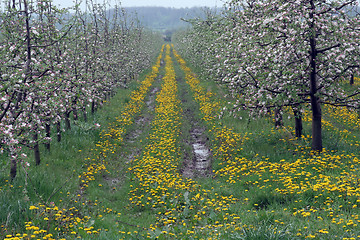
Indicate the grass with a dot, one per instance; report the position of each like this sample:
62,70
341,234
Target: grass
66,161
262,155
265,184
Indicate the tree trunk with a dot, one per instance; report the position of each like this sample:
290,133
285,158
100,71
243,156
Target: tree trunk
13,168
278,118
314,99
84,115
352,79
93,107
48,135
74,109
58,130
36,150
316,124
75,113
298,123
67,121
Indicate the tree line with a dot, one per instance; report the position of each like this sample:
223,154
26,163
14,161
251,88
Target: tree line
274,54
164,18
57,65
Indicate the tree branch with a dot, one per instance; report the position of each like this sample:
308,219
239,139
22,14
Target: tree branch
328,48
52,43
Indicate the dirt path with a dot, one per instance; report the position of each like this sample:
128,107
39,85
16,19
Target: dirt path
132,145
197,154
141,126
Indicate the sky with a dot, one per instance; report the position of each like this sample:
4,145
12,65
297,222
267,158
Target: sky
158,3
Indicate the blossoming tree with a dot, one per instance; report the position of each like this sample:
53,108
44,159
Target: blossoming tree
53,63
277,53
292,52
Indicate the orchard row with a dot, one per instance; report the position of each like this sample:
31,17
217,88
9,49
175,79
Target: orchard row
245,188
276,54
50,220
56,65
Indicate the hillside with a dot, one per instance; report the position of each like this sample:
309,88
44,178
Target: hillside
162,18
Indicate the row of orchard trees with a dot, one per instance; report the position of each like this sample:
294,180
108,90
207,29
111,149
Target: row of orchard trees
277,53
55,63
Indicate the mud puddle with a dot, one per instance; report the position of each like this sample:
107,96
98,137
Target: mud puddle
197,155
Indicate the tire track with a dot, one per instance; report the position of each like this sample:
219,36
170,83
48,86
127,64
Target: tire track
197,154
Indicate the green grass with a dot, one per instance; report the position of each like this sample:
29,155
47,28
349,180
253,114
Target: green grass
264,208
260,210
56,178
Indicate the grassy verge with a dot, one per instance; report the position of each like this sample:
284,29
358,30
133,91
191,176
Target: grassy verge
58,199
283,190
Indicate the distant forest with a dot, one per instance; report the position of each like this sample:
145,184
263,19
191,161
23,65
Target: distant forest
166,19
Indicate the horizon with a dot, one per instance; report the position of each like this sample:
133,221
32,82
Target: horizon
177,4
146,3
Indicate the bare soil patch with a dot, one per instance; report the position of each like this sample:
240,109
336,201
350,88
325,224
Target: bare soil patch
197,162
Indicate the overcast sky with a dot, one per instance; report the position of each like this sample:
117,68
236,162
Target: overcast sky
161,3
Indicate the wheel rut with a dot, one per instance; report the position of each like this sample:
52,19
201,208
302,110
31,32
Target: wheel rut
197,155
134,136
